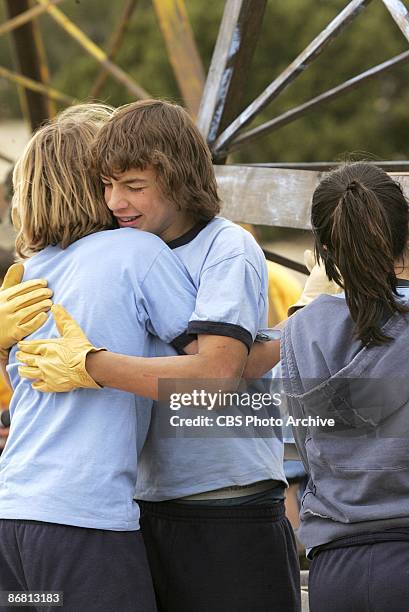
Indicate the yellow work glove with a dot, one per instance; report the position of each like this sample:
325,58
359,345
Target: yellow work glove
23,307
58,365
317,283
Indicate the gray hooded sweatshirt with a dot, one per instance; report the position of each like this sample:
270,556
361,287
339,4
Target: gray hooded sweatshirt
358,467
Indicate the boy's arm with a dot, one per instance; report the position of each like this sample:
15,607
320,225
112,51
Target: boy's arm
265,355
69,362
262,358
218,357
191,348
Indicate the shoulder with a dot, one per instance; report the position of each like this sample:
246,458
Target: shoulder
323,311
323,304
129,236
124,241
227,239
122,251
321,337
222,229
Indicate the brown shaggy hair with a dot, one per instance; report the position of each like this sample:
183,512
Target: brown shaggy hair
57,197
162,135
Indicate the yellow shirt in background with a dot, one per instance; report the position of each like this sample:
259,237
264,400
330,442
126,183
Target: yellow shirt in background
283,291
283,288
5,394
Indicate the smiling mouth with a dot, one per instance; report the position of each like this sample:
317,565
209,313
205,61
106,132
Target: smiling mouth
128,221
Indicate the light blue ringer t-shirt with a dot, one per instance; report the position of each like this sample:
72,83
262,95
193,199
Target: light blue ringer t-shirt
229,271
71,458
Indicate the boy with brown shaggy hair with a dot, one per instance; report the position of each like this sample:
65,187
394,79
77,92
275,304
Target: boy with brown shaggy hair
212,509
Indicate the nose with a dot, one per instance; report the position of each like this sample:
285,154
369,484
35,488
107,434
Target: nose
115,198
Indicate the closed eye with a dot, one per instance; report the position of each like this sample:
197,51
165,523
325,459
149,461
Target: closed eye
137,189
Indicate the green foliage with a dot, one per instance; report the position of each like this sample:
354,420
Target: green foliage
371,119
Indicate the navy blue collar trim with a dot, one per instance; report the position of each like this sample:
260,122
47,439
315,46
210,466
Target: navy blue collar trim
189,236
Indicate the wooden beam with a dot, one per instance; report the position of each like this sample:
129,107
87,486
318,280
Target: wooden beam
323,166
271,196
299,65
265,195
35,86
183,54
114,45
298,111
22,18
400,14
28,59
96,52
223,94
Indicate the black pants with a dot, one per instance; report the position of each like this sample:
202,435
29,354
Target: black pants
223,559
364,578
98,570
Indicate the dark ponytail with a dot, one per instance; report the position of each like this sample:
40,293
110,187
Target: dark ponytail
360,218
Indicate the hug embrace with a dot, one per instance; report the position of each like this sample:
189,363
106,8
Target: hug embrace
117,217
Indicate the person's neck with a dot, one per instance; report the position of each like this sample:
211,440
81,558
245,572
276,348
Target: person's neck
178,229
401,271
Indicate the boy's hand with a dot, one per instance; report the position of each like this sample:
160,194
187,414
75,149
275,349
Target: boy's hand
23,307
58,365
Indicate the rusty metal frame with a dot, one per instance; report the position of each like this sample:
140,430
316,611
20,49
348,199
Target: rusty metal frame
24,17
6,158
30,60
43,65
114,45
286,262
183,54
220,116
35,86
94,51
297,67
331,94
232,56
400,15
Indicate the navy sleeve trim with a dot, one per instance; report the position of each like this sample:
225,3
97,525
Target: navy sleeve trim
183,340
221,329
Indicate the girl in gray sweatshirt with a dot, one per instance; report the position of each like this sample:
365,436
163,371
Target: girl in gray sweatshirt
345,361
